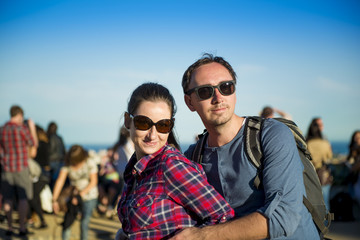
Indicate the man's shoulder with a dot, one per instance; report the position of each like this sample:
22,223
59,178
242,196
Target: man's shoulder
7,124
189,151
274,126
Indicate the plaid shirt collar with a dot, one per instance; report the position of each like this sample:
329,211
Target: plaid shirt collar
136,167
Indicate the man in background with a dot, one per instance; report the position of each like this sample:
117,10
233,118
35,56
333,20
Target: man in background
269,112
17,144
56,152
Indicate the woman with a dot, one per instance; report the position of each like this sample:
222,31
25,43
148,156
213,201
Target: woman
354,161
83,177
321,154
164,191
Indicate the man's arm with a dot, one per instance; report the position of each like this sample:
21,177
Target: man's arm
253,226
33,148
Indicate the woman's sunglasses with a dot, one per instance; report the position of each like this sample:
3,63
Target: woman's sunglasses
144,123
207,91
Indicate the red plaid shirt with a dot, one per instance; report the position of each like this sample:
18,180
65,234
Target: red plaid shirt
166,192
14,146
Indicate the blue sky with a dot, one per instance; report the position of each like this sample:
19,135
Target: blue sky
76,62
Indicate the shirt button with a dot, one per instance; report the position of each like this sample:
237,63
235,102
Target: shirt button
138,204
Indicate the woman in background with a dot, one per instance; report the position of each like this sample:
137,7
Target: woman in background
354,161
321,154
83,176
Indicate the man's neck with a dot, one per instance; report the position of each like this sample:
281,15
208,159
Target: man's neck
221,135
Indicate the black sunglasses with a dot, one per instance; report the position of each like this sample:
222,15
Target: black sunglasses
207,91
144,123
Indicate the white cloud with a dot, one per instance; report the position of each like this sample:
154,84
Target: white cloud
328,84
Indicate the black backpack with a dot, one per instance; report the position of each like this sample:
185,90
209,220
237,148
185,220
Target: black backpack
314,200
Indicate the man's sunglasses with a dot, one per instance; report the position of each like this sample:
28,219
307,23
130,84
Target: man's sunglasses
207,91
144,123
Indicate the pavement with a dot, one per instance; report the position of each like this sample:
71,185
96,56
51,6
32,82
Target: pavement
100,227
105,229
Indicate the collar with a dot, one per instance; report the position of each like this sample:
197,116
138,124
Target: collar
136,167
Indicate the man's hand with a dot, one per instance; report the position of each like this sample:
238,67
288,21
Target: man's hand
253,226
192,233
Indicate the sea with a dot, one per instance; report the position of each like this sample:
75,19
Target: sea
338,147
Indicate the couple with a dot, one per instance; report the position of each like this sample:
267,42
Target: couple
169,197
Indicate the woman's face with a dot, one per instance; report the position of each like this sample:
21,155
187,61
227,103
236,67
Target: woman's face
357,138
149,141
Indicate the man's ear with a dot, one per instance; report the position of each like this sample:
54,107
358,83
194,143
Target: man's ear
127,120
188,102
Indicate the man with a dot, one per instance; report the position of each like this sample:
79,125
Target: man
269,112
56,152
16,142
275,210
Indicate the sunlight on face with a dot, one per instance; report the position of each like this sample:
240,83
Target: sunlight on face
218,109
150,141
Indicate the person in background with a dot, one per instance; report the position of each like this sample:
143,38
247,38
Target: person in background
117,158
109,184
42,155
276,209
56,152
269,112
164,191
83,176
17,145
353,159
321,154
123,150
41,179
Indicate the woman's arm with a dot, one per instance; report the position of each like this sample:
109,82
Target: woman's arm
189,187
93,183
57,189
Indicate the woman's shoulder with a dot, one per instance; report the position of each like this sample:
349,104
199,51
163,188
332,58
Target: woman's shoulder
173,156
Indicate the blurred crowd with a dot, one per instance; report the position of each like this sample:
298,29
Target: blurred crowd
46,177
38,174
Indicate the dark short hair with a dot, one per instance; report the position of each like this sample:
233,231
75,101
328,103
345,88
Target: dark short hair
267,111
52,128
15,110
205,59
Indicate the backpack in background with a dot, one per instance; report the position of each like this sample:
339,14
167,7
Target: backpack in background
314,200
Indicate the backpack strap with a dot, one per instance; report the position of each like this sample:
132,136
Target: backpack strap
324,228
299,137
253,151
197,154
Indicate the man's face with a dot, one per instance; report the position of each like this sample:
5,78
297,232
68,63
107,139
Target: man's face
218,109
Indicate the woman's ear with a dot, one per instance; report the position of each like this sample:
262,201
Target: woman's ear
127,121
188,102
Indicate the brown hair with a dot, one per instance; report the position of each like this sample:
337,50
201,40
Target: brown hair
206,59
75,155
153,92
15,110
